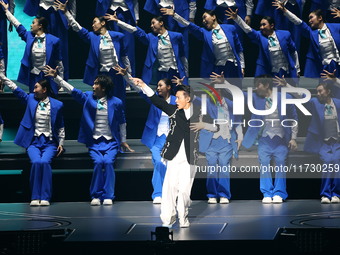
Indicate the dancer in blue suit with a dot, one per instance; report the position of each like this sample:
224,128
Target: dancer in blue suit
274,140
323,135
185,8
222,50
57,23
327,6
277,51
265,8
41,49
220,145
127,11
244,7
165,57
155,131
3,29
323,52
102,130
42,134
106,51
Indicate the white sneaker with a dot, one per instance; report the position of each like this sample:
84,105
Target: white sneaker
157,200
325,200
35,203
212,200
44,203
107,202
267,200
184,223
277,200
95,201
172,222
335,199
224,200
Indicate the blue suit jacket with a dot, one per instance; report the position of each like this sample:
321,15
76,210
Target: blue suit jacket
115,110
314,65
103,6
314,138
27,125
151,125
1,120
205,136
260,104
93,60
151,40
53,53
241,6
208,58
31,8
263,63
181,7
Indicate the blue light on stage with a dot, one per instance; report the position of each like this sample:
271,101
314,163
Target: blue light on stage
16,46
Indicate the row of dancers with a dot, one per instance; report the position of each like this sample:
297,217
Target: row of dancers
176,132
167,50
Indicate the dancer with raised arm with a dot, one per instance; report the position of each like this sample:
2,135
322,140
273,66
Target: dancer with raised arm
102,130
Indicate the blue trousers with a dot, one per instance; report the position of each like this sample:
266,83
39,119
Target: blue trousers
219,154
330,182
103,154
159,167
41,151
277,150
129,39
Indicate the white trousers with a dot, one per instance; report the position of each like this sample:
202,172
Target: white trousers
176,188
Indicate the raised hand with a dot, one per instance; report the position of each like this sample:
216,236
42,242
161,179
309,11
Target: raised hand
328,75
60,6
177,80
50,72
279,5
217,78
231,14
138,82
280,82
4,5
122,71
111,17
336,13
167,11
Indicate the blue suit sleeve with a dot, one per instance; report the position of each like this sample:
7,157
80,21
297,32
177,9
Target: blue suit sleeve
22,95
22,32
84,34
196,31
79,96
142,36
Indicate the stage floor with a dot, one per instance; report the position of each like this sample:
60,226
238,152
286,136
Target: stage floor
135,220
242,225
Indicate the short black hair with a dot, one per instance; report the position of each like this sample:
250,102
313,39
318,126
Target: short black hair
186,90
264,79
45,83
106,83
